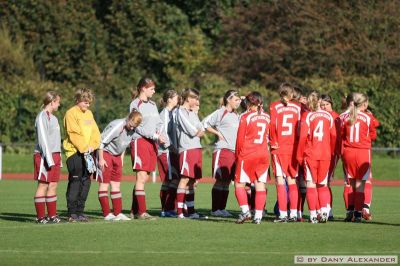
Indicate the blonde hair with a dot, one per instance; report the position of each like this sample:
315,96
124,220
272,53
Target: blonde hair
358,100
313,100
286,93
84,95
136,117
49,97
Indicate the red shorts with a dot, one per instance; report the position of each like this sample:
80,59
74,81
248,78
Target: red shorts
317,171
114,170
42,172
168,166
190,162
357,163
144,155
285,165
249,170
223,164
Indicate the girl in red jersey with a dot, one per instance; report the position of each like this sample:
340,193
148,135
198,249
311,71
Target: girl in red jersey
252,157
358,131
327,105
47,159
285,120
144,145
316,147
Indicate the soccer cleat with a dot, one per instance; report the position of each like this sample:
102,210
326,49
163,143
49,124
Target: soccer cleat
170,214
292,219
281,220
366,215
73,218
349,216
216,213
83,218
41,220
194,216
145,216
181,216
121,217
323,218
357,217
109,217
256,221
314,220
54,219
225,213
132,215
243,217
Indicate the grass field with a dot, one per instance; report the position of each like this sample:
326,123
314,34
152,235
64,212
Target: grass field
185,242
383,167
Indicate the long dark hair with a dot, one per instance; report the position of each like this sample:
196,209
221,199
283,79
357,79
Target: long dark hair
254,98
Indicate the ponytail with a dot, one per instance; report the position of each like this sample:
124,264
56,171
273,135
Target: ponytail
286,93
358,100
313,101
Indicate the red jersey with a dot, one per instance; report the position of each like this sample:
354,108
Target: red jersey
252,136
361,134
285,122
317,137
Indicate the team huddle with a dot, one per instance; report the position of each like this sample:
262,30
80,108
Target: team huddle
302,138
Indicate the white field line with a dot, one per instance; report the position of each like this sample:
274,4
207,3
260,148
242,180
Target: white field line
197,252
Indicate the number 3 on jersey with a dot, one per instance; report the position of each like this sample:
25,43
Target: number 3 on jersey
260,133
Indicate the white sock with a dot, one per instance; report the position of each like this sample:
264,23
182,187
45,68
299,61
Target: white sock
258,214
244,208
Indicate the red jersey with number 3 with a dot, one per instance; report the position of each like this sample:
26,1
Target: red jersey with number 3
361,134
252,136
285,121
317,136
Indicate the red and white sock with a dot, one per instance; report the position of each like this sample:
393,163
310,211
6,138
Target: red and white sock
312,198
51,203
189,201
323,198
282,200
40,206
163,196
180,199
116,198
141,201
105,205
241,196
294,197
368,194
261,196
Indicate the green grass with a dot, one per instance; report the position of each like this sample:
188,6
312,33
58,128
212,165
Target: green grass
182,242
383,167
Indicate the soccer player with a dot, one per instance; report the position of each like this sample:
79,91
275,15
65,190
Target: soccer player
223,123
327,105
115,138
83,139
285,121
47,159
168,156
144,144
316,146
252,157
358,131
190,130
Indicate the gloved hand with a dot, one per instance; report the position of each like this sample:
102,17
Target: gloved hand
90,164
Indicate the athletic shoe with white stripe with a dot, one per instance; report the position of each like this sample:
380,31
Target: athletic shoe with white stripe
54,219
243,217
121,217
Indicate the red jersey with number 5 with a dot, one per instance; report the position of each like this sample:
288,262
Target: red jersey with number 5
361,133
317,137
285,122
252,136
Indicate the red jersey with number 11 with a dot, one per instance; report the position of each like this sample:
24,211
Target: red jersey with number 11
252,136
361,133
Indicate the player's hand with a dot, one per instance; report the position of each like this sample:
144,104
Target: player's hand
200,133
161,139
220,137
102,164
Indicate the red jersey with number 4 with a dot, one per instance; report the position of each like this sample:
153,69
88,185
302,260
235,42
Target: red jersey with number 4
361,134
285,122
317,136
252,136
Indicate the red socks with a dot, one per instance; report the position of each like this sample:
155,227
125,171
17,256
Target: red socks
312,198
323,196
282,197
261,196
368,194
180,199
358,201
140,196
293,196
51,202
116,199
241,196
40,206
